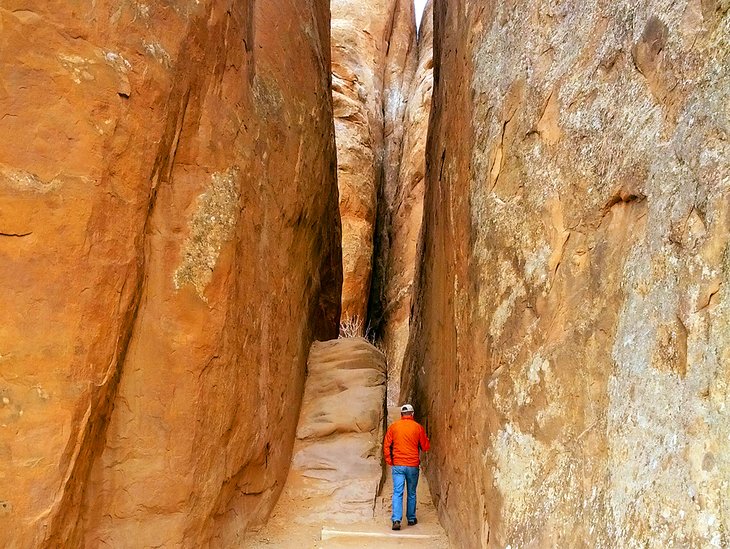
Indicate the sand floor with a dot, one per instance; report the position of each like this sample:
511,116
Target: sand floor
284,529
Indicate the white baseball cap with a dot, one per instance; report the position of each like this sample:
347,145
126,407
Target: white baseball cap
406,408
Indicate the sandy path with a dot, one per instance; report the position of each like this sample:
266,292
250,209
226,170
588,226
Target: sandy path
282,530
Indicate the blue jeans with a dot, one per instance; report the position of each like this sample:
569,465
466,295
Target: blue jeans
403,474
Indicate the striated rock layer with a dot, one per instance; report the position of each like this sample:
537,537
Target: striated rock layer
571,332
162,167
372,62
405,211
336,463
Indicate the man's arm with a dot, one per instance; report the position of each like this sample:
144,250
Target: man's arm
423,441
387,443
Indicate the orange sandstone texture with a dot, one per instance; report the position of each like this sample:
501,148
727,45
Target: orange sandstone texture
372,62
336,469
570,345
169,236
405,210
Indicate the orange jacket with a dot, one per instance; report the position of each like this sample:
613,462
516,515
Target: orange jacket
402,442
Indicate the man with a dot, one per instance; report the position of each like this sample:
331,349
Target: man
402,442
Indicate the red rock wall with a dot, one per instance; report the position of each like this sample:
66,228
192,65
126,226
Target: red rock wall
571,335
372,62
169,236
404,204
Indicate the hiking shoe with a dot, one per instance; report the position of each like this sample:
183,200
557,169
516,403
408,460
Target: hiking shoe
396,525
412,522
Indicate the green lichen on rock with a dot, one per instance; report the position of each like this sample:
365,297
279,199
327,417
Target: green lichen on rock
210,227
268,100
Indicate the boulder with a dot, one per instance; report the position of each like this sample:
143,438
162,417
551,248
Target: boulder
336,470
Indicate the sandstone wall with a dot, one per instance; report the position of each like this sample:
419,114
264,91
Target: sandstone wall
169,240
372,61
571,340
405,210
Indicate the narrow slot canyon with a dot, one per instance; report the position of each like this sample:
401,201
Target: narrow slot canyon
236,235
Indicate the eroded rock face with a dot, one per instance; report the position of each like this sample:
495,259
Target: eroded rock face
372,62
336,463
162,167
405,213
571,339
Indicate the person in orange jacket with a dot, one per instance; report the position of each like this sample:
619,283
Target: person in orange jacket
401,448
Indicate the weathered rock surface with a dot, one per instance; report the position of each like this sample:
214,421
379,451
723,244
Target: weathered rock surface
336,463
405,213
336,469
571,338
371,63
162,167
